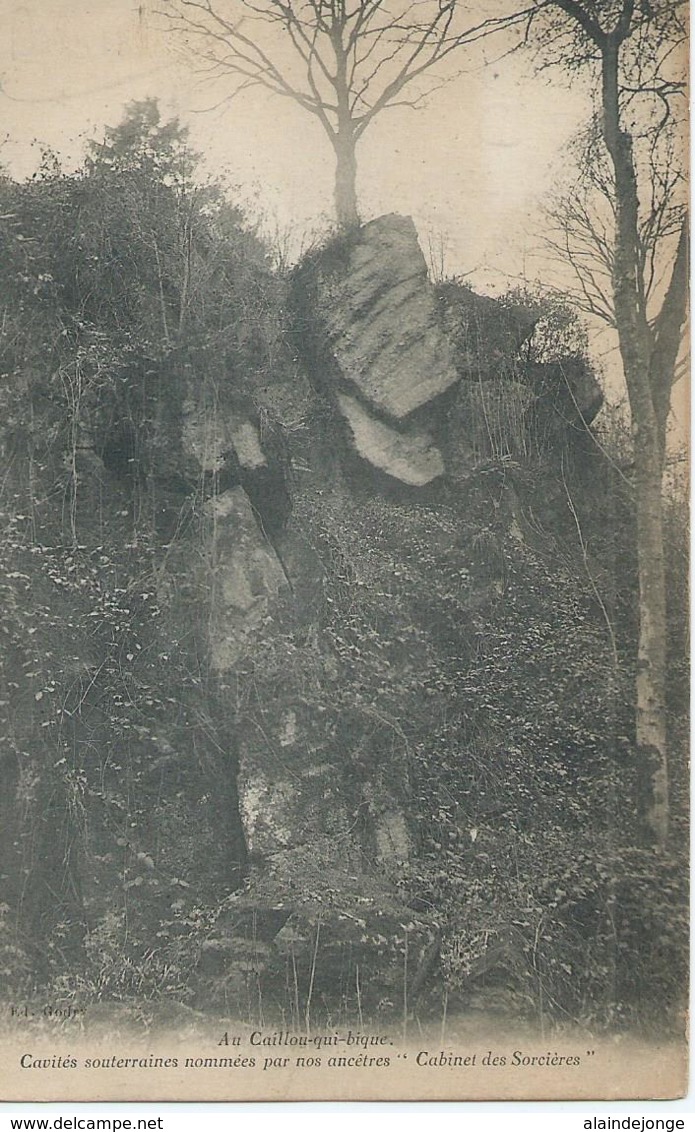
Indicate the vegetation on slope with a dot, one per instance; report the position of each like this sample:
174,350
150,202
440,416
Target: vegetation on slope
485,635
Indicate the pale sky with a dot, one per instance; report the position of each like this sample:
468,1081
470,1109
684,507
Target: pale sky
470,167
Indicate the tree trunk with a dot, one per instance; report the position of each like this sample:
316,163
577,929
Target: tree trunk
651,654
636,349
650,708
346,180
344,140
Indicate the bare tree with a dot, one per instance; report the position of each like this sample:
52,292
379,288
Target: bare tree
580,231
342,61
629,256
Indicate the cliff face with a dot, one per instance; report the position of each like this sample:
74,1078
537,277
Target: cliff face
325,681
257,670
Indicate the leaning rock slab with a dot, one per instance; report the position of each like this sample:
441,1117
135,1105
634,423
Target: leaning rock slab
410,457
380,315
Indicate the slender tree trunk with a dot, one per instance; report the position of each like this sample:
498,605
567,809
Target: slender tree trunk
651,655
636,345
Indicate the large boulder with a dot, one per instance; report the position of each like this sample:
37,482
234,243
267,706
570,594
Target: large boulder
379,315
411,457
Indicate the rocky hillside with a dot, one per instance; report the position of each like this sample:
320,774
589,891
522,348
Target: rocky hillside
314,680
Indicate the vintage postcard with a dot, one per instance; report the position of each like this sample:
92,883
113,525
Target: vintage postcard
343,642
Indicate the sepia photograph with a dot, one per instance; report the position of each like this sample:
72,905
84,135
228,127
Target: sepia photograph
344,512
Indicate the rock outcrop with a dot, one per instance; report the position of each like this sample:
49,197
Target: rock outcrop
244,577
325,806
427,380
380,317
383,358
302,619
411,457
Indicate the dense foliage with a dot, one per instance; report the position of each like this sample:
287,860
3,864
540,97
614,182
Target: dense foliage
485,637
117,284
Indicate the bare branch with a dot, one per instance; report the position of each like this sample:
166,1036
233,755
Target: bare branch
591,26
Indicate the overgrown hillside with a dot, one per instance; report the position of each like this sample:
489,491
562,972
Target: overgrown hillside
318,625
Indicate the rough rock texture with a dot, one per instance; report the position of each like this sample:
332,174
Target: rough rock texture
254,682
326,833
211,432
325,806
411,457
246,441
298,795
291,795
381,322
245,577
